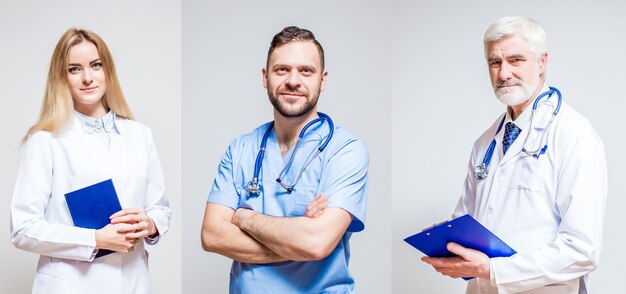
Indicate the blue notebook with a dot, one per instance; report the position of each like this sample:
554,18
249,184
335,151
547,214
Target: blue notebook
91,207
464,230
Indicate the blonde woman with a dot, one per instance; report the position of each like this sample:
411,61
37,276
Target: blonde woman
85,135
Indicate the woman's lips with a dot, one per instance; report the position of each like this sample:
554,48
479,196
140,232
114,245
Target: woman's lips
89,89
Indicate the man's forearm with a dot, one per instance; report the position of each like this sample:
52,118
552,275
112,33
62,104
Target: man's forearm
297,238
238,245
219,235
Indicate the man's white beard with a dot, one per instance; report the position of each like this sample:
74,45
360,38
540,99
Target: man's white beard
516,95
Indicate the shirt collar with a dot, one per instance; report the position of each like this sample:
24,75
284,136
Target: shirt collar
524,119
106,124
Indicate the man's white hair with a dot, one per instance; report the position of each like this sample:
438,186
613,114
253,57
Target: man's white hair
510,26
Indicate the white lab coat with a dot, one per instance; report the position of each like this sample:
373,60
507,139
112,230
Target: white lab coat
550,210
53,165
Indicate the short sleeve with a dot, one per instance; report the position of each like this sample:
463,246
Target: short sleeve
345,181
223,190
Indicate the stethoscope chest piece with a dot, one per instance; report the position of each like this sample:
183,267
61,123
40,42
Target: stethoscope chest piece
253,188
481,172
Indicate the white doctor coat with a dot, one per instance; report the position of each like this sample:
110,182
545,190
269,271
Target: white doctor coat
53,165
550,209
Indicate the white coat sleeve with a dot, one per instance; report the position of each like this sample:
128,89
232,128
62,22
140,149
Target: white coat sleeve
30,229
580,199
156,203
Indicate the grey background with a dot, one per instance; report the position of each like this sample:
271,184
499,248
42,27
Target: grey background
442,101
144,37
224,48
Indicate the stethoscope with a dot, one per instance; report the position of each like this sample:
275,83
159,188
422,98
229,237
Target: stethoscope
482,171
254,188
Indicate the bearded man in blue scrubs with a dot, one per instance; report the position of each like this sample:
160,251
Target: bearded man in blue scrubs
289,240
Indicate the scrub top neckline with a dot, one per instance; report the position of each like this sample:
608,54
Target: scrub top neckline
272,167
316,132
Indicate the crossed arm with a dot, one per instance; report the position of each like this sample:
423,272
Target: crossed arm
248,236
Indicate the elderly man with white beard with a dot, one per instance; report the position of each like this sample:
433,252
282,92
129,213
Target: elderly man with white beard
537,178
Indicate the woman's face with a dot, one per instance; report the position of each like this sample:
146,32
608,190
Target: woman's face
86,78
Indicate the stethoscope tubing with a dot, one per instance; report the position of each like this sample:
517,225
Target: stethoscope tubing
259,158
539,150
482,171
253,187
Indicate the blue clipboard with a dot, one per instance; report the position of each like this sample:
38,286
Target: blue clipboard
92,206
465,231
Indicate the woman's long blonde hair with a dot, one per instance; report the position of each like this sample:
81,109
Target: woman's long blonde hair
57,106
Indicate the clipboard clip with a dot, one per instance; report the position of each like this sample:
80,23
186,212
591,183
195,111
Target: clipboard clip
434,225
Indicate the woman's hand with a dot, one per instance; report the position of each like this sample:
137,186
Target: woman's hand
110,237
139,223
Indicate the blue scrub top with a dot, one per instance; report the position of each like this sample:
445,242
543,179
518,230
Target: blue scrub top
339,172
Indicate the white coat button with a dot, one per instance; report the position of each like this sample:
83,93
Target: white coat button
489,211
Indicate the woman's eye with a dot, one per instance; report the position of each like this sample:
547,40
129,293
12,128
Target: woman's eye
73,69
97,65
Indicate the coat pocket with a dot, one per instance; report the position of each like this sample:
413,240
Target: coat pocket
45,284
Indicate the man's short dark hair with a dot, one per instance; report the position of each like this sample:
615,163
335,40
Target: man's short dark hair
294,34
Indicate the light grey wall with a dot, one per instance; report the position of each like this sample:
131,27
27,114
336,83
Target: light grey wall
145,40
442,101
224,48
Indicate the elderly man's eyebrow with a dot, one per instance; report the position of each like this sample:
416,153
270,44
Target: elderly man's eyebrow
516,56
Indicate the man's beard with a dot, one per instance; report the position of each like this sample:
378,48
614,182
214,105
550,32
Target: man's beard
286,111
516,95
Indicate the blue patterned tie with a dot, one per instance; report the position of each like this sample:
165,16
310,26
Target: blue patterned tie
511,131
